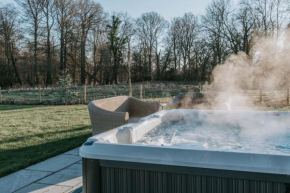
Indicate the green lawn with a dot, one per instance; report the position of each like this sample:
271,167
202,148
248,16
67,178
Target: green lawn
30,134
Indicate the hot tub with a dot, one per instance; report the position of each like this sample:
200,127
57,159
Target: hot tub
192,151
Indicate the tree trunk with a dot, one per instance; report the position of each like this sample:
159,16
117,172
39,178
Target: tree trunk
95,58
83,61
48,62
74,48
129,68
288,95
150,62
13,60
35,52
175,56
61,49
115,70
65,43
9,71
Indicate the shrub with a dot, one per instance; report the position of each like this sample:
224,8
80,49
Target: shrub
65,81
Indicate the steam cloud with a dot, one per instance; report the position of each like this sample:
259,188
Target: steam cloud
266,68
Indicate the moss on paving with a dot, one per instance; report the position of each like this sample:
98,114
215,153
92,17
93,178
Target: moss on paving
30,134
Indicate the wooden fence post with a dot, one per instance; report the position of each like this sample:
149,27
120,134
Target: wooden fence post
130,88
85,94
261,96
0,96
288,95
39,92
200,87
141,91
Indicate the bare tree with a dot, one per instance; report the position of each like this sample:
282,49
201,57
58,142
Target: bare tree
88,16
72,35
65,13
268,15
213,26
127,31
188,33
98,41
149,28
247,26
32,14
10,34
173,41
231,31
48,11
203,53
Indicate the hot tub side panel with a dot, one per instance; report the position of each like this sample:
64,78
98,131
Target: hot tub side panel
101,176
91,175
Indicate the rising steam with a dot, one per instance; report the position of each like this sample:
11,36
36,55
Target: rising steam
266,68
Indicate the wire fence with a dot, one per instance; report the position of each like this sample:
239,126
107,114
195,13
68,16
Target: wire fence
84,94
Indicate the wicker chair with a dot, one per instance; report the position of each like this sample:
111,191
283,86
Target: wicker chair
113,112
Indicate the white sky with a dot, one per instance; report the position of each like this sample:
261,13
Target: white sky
167,8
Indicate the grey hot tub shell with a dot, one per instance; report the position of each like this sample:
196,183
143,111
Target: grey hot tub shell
113,163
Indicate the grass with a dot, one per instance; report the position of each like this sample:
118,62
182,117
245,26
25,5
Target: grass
30,134
150,90
15,107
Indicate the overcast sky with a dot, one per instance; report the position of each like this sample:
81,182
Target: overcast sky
167,8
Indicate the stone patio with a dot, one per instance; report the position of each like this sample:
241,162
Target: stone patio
62,173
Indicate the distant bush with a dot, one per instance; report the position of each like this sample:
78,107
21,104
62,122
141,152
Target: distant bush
65,82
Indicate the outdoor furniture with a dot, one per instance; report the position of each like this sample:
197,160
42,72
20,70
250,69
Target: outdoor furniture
109,113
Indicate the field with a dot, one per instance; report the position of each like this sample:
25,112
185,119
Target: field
30,134
156,91
52,95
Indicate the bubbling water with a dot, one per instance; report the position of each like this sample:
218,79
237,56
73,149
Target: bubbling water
237,132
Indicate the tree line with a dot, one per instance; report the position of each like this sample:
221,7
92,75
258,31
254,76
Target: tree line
40,40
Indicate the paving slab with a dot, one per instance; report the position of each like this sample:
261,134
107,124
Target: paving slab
20,179
73,152
56,163
76,189
43,188
70,176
